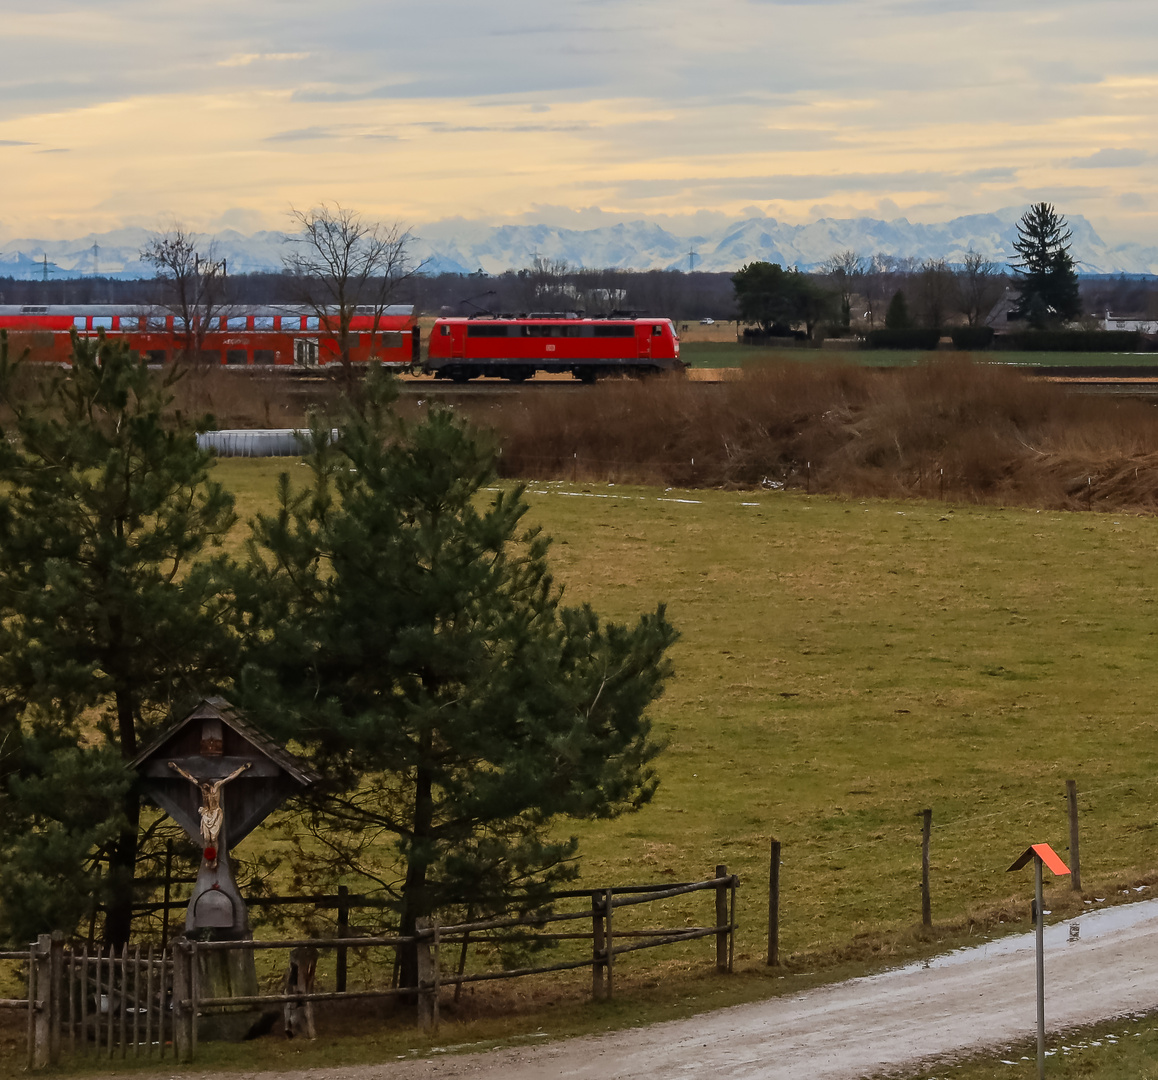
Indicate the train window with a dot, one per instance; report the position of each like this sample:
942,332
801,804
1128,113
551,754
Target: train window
444,330
392,339
209,356
129,322
102,322
236,356
156,322
238,322
657,330
311,322
80,322
179,324
157,356
485,330
263,322
624,331
264,356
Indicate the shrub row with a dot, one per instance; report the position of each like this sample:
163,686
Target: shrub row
1072,341
916,338
968,338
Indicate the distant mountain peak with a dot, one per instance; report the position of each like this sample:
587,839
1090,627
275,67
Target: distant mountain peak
460,245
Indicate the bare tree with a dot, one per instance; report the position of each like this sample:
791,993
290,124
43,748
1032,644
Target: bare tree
192,283
883,276
844,271
341,263
980,284
935,289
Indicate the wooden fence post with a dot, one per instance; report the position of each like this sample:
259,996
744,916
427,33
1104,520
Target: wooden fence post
721,920
37,1043
732,922
598,944
343,931
40,989
774,905
426,1003
56,996
1075,858
609,943
183,1018
926,900
168,892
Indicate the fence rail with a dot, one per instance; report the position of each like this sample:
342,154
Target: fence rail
148,1001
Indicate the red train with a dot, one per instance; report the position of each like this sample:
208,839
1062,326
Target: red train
241,337
516,348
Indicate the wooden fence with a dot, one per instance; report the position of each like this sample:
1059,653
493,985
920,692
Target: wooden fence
146,1002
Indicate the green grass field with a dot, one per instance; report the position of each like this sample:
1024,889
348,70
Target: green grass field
714,354
1124,1049
843,664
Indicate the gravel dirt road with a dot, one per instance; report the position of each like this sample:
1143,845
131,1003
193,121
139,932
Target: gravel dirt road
973,999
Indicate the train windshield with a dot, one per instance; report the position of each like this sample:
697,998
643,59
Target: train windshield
673,329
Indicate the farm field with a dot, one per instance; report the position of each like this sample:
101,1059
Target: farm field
845,663
715,354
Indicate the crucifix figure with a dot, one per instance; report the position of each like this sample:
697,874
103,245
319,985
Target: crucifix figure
211,810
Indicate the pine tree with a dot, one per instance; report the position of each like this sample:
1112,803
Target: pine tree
409,636
1045,275
107,616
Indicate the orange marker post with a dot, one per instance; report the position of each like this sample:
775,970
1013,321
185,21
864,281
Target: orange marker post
1041,854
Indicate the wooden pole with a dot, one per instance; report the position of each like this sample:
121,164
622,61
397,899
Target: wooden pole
1040,921
598,944
926,901
721,920
84,970
343,930
609,938
37,1040
56,970
124,1000
732,923
168,891
774,905
1075,858
426,1019
181,1049
149,989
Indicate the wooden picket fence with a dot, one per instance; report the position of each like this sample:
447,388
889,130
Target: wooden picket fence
146,1002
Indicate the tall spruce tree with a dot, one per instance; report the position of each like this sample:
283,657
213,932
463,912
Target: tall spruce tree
108,614
406,632
1046,280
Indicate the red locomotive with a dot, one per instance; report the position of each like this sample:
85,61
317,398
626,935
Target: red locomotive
515,348
241,337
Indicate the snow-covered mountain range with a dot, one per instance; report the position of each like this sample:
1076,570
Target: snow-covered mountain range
461,246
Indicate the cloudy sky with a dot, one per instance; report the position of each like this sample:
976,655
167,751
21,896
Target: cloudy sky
576,112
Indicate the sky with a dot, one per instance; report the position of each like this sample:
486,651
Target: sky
574,112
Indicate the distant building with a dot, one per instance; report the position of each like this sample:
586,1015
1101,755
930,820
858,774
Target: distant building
1142,323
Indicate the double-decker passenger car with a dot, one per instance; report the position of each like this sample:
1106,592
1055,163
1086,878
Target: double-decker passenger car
515,348
236,336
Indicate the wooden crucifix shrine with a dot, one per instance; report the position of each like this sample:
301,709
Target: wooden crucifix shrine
218,778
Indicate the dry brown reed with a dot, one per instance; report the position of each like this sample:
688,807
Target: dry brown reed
250,398
946,428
